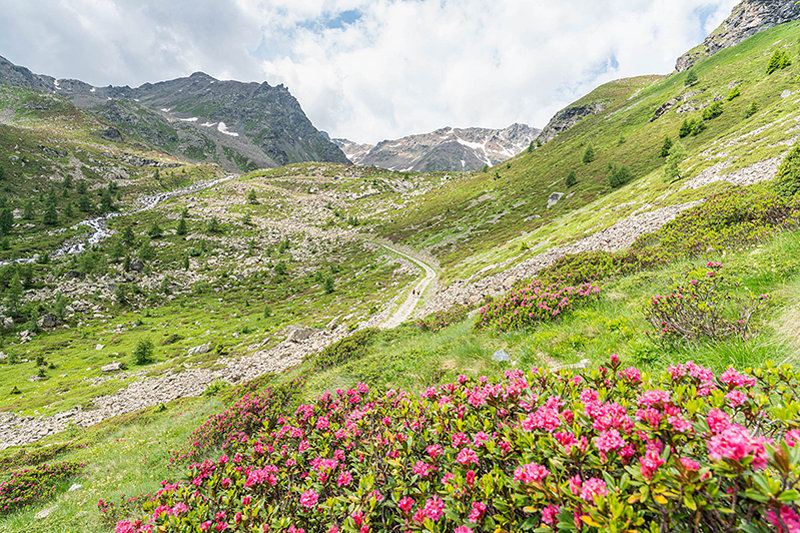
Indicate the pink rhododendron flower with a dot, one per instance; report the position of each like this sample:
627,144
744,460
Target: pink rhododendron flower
434,508
593,487
649,464
735,443
477,512
689,464
530,473
736,398
309,498
344,479
717,420
405,504
609,440
550,514
467,456
788,517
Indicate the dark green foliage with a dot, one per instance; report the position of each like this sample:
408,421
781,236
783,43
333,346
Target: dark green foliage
284,245
121,294
751,110
50,217
252,198
155,231
68,210
182,229
267,311
2,173
213,225
665,147
691,78
85,203
712,111
280,269
146,251
28,211
677,153
328,285
787,181
530,147
143,353
6,220
735,93
779,61
572,179
619,175
127,236
485,168
589,155
82,187
353,347
692,126
106,202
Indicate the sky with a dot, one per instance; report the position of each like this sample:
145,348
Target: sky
368,70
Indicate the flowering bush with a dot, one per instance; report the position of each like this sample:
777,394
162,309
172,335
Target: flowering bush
33,485
352,347
726,221
700,309
532,303
35,456
441,319
241,421
609,449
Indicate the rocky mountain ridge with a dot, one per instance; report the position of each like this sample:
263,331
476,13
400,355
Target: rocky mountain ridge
454,149
748,18
241,126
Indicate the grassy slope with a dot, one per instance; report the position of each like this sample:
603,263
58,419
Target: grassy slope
483,219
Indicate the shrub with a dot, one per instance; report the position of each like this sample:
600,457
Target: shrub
182,228
701,308
692,126
778,61
252,199
571,180
736,92
607,449
441,319
35,456
751,110
677,154
34,485
143,353
238,424
533,303
665,147
619,175
712,111
787,181
328,285
691,78
589,155
348,349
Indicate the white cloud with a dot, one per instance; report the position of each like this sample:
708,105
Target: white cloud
405,66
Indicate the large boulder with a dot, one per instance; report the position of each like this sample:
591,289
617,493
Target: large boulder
200,350
48,321
300,333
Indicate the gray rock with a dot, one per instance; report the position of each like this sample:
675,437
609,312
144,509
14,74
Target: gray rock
300,333
501,355
137,266
49,320
44,513
112,367
554,198
200,350
8,322
74,487
99,347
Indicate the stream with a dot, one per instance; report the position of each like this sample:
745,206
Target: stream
99,228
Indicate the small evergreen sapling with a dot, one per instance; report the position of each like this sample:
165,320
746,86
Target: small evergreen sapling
572,179
589,155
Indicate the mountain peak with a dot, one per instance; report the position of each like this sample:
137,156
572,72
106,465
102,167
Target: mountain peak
748,18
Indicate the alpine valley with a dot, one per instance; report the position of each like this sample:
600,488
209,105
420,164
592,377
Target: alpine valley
214,317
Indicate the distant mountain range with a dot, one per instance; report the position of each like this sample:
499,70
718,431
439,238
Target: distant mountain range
444,149
241,126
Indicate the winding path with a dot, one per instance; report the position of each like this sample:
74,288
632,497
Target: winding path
407,308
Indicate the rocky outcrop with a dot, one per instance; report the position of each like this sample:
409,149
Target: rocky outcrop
747,19
567,118
445,149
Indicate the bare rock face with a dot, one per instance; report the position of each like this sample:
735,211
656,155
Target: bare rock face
747,19
567,118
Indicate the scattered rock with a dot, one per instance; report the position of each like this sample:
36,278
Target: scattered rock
554,198
99,347
49,320
136,266
501,355
44,513
200,350
74,487
300,333
112,367
8,322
